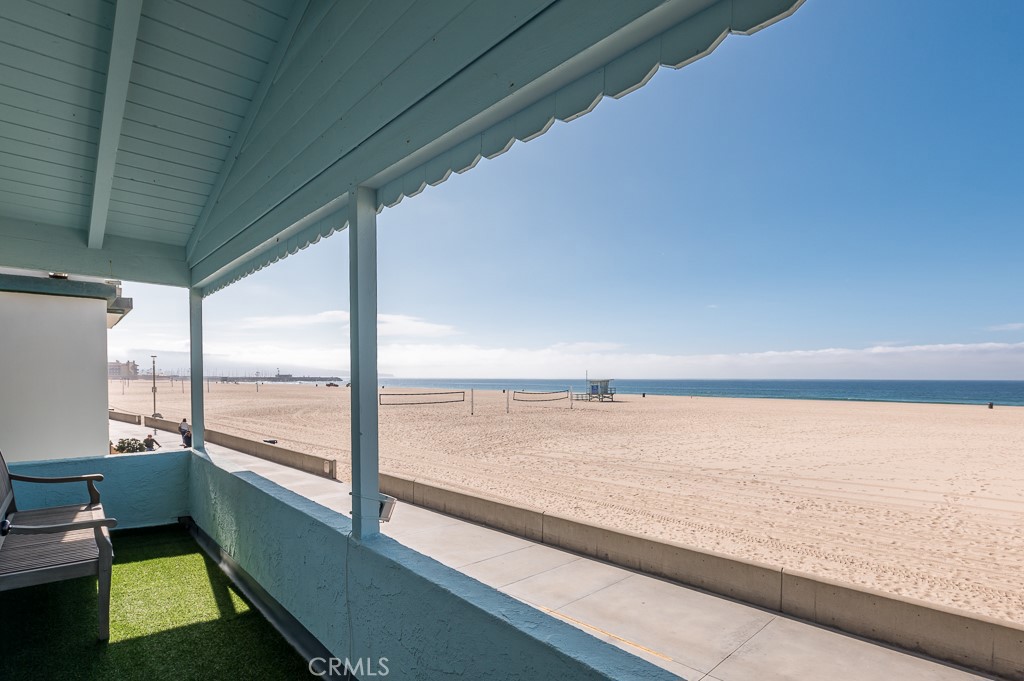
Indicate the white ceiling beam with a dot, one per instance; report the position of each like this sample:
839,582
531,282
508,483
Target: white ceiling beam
37,246
119,71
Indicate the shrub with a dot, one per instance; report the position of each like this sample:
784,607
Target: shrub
127,445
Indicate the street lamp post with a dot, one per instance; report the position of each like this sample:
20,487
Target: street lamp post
154,385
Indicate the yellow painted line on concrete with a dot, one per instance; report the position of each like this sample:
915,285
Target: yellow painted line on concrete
606,633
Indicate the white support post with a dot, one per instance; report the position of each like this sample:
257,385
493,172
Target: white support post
362,259
195,319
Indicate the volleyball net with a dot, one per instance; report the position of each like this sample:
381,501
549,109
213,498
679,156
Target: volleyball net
532,396
399,399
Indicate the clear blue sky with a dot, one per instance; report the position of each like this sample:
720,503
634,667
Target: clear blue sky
839,195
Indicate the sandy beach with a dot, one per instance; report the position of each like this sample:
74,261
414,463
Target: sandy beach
920,500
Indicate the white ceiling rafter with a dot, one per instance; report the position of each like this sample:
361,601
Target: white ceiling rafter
122,54
298,11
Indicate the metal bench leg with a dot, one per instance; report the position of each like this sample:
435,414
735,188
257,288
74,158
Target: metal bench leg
103,579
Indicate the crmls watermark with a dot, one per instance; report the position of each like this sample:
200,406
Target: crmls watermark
361,668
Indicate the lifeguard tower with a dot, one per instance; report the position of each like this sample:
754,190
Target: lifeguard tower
598,389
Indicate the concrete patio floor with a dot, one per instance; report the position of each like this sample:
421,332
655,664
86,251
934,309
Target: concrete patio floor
693,634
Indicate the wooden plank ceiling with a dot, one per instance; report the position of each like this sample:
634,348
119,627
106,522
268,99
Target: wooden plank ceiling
190,142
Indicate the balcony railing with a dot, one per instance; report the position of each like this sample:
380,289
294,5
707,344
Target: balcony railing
372,602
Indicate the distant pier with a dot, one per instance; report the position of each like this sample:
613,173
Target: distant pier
280,378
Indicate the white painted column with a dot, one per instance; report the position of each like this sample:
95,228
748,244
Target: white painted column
195,319
362,259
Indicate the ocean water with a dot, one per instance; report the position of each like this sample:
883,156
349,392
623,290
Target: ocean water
1008,393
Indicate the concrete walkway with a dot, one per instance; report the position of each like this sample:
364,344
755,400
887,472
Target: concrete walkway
692,634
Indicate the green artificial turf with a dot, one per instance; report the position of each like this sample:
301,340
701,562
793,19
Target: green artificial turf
173,615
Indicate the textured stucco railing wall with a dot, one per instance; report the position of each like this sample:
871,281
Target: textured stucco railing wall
139,490
378,599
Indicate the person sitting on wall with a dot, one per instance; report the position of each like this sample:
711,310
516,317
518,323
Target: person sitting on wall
186,439
183,428
150,442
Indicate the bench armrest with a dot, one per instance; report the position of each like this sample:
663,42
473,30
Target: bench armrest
7,527
91,479
69,478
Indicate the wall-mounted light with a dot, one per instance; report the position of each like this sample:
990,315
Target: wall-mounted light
387,507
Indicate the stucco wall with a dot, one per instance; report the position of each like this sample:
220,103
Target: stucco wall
140,490
377,598
53,364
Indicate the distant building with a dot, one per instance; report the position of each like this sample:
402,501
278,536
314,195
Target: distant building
120,370
50,360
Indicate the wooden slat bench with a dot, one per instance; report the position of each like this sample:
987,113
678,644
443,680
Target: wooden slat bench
54,544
